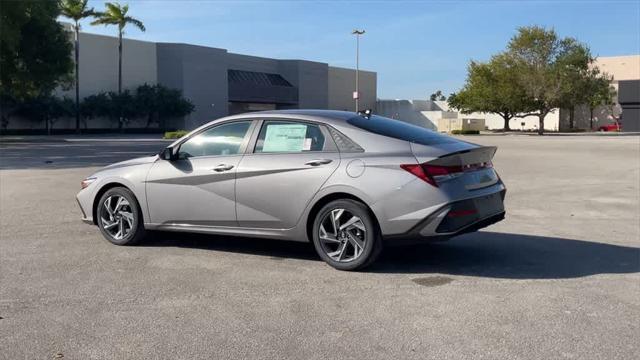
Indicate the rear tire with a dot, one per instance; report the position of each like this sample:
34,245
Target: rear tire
119,217
346,235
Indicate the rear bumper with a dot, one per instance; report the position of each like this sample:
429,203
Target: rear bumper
439,226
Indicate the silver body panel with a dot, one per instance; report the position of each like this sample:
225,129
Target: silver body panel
271,195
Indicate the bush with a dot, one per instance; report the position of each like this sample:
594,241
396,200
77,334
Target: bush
465,132
155,103
175,134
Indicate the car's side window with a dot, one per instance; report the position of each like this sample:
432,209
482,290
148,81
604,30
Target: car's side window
224,139
289,137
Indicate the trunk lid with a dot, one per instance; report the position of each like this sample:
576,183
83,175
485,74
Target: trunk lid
457,164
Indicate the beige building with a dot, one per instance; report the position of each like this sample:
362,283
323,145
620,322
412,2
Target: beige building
621,68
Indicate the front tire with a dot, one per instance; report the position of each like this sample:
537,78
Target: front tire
346,235
119,217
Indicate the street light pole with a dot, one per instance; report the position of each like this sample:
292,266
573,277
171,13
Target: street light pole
356,95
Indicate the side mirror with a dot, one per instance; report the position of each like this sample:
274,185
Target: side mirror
167,154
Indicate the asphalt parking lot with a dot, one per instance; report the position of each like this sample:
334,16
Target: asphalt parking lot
559,278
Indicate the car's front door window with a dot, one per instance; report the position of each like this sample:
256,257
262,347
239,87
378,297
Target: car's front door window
225,139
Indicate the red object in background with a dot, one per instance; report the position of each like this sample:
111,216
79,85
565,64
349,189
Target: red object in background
610,127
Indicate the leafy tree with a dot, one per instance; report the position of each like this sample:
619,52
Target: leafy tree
47,109
492,88
159,103
76,10
122,108
147,102
34,53
116,14
437,96
598,92
154,102
544,63
172,104
94,106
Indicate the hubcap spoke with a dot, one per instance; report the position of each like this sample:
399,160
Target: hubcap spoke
335,219
358,245
327,237
107,206
353,222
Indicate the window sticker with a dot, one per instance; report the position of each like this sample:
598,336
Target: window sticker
307,144
285,138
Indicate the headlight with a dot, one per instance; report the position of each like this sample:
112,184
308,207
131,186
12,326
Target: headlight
86,182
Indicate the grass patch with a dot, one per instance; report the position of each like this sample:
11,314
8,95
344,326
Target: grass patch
465,132
175,134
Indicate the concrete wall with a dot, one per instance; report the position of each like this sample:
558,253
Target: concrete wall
99,73
427,113
252,63
311,78
342,85
201,74
99,64
630,100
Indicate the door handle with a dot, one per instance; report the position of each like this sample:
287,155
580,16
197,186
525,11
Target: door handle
222,167
318,162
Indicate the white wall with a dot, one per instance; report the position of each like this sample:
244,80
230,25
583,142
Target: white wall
426,113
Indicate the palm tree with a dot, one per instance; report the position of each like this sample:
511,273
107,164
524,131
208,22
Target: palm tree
76,10
116,14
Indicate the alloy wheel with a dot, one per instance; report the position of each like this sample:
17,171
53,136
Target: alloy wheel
342,235
116,216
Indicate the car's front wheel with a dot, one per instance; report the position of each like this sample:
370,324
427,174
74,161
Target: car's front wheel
119,217
346,236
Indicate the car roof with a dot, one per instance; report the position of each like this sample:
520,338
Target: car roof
329,116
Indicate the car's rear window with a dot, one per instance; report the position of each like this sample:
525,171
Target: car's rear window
399,130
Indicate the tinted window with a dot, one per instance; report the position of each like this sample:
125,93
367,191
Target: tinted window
399,130
220,140
286,136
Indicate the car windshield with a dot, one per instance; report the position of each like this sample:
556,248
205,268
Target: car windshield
399,130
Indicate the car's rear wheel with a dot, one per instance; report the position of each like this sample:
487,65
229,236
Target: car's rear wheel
119,217
346,236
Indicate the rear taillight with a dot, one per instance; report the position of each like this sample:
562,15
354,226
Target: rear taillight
434,174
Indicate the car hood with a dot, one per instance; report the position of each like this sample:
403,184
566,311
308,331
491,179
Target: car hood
132,162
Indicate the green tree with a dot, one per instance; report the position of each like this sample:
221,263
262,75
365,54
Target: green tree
172,105
93,106
437,96
34,53
116,14
492,88
159,103
47,109
544,64
76,10
122,108
598,92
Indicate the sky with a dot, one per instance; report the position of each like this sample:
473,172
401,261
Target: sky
416,47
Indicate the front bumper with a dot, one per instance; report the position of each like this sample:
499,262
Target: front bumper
85,207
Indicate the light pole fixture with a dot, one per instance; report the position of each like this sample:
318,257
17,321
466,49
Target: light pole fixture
356,94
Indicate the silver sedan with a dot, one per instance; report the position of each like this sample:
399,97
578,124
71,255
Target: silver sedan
349,183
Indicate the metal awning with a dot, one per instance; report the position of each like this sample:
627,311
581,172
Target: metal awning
260,87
